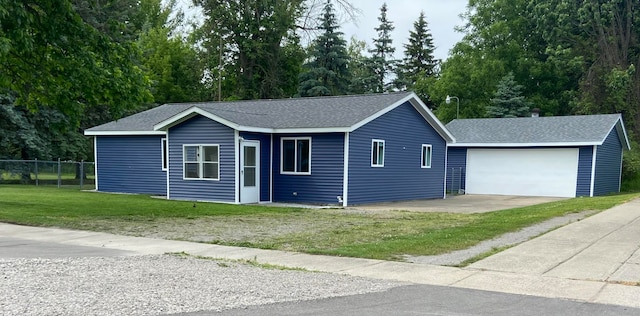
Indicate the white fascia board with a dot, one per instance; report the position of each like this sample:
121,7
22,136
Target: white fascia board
420,107
381,112
189,113
560,144
622,133
431,118
122,133
309,130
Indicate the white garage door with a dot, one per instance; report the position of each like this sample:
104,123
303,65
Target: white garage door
528,172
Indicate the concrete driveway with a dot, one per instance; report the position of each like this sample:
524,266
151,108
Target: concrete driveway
460,204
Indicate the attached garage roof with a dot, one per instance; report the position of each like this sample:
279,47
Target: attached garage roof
576,130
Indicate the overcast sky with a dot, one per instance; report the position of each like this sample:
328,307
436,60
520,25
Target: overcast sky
441,15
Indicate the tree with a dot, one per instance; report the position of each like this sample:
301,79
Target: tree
326,71
508,100
419,60
68,65
251,34
381,60
172,62
361,74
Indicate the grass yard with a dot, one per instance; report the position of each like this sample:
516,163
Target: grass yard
340,232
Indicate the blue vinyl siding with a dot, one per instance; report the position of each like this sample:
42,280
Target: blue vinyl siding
608,159
130,164
583,187
200,131
404,131
265,154
456,167
324,183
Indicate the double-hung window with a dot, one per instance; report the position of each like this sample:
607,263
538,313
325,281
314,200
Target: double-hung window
426,156
377,153
295,155
201,162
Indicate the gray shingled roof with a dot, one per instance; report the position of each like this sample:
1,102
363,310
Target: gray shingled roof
320,112
534,130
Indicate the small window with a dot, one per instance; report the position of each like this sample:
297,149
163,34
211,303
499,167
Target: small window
296,156
165,154
201,162
377,153
426,156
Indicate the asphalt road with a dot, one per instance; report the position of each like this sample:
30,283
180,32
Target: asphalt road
404,300
431,300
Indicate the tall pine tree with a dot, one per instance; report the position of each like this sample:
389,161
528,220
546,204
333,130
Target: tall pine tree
381,61
419,60
326,72
508,100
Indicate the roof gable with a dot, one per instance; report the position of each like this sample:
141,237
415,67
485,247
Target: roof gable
537,131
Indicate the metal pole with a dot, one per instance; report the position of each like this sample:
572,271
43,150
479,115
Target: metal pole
59,173
81,173
35,170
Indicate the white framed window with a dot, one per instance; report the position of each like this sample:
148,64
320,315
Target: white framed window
201,162
165,154
425,157
295,155
377,153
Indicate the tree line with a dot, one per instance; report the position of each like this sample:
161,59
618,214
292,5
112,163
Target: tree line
66,65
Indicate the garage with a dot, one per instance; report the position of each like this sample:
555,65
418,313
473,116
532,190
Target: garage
525,172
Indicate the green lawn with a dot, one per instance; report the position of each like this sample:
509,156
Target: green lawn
380,235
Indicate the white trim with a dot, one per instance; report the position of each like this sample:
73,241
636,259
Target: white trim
168,152
236,165
430,151
625,140
164,151
418,105
188,114
295,162
384,149
345,175
593,171
95,161
256,145
122,133
446,169
271,170
620,175
559,144
200,162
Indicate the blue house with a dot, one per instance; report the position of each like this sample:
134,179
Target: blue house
564,156
341,150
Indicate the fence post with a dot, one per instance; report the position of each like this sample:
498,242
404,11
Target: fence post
81,173
59,173
35,170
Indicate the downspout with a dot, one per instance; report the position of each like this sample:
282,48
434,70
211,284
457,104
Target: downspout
166,136
236,166
593,170
446,167
95,160
271,170
345,175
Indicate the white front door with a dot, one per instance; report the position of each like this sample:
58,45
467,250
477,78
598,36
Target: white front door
529,172
250,172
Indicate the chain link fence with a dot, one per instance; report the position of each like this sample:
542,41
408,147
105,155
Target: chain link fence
42,172
455,179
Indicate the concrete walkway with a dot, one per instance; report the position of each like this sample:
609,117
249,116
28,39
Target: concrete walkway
595,260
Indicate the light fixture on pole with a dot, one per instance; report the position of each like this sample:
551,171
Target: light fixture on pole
448,100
